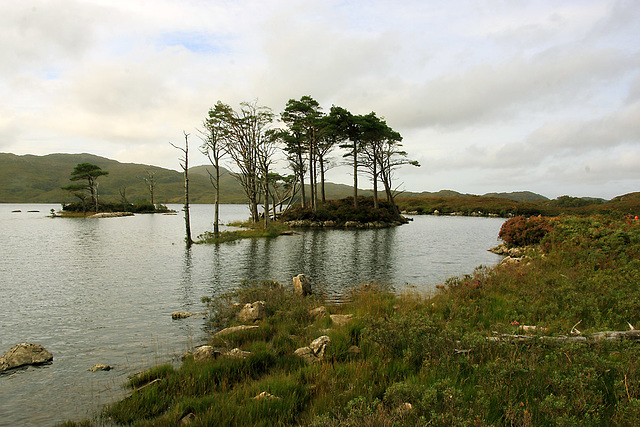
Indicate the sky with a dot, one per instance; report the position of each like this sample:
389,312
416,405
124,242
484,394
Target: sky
489,96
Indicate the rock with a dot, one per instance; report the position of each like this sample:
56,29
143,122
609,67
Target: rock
319,345
315,351
301,285
329,223
181,315
111,214
354,350
288,233
100,367
188,419
234,329
353,224
24,354
205,352
251,313
318,313
341,319
510,260
265,395
236,353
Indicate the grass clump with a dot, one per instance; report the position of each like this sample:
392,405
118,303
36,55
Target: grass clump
429,360
249,231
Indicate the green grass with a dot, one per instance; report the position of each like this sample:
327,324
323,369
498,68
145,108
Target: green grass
426,360
250,231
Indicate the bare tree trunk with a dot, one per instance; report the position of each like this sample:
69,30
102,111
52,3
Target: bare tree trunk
187,219
355,175
324,199
304,196
216,214
184,163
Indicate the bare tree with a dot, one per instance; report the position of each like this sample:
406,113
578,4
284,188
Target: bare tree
245,133
184,164
150,182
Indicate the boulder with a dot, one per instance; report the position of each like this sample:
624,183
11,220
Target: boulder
301,285
236,353
234,329
100,367
24,354
341,319
318,313
315,351
181,315
265,395
251,313
205,352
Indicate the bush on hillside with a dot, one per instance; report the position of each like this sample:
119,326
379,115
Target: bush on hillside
522,231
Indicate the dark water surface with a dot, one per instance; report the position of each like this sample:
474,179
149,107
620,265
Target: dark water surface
103,290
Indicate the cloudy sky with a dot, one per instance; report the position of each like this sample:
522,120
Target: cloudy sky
488,95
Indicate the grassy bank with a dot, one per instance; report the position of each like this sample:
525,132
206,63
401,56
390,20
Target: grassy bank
459,357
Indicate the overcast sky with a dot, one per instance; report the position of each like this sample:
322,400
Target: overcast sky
488,95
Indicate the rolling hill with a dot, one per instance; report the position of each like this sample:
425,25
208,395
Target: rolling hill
38,179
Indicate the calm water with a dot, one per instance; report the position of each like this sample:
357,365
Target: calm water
103,290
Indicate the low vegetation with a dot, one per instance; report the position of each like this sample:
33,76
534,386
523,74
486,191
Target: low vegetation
343,210
246,230
628,204
138,207
489,348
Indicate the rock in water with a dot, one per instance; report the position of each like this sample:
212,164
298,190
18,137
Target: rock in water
24,354
100,367
301,285
181,315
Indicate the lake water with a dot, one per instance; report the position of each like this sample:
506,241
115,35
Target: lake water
103,290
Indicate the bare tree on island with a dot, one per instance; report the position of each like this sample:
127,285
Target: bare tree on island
184,164
245,141
150,182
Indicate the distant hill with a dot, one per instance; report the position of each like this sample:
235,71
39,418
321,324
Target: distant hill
38,179
518,196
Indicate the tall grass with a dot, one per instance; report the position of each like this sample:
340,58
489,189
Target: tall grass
427,360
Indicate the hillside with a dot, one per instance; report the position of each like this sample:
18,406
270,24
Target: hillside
38,179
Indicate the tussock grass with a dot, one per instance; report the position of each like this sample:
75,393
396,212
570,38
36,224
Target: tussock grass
249,231
426,360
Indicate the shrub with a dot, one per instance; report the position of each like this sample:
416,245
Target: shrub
522,231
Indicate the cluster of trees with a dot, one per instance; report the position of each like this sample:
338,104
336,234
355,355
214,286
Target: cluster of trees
85,177
247,136
85,187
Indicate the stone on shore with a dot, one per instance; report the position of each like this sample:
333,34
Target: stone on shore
24,354
234,329
205,352
315,351
236,353
301,285
341,319
252,312
318,313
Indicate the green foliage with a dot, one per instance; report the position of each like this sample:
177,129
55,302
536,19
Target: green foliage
522,231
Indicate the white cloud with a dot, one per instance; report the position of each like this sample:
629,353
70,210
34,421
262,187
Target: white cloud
493,96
